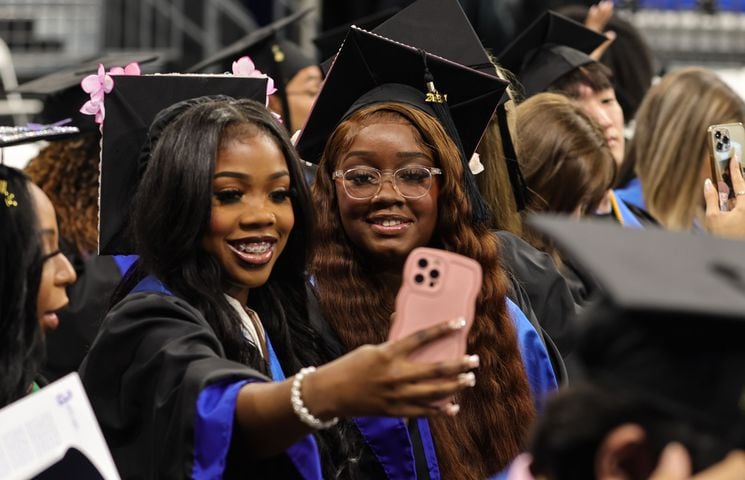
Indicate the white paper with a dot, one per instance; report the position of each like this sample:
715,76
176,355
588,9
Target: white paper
36,431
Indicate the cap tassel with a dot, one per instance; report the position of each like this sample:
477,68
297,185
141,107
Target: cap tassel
519,189
479,210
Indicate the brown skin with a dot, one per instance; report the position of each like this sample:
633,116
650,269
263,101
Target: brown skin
391,386
57,272
388,146
250,185
251,201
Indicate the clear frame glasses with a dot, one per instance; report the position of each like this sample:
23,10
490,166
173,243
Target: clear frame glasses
362,183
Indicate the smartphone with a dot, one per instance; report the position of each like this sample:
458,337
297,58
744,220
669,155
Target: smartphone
725,140
437,286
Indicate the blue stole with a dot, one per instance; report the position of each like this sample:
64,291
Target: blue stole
215,412
389,440
125,262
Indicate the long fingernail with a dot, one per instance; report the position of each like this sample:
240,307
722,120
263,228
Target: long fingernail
457,323
708,184
472,361
468,379
452,409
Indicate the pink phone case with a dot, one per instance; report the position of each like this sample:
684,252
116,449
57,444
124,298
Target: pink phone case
437,286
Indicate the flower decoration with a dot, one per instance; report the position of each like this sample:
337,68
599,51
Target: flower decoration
244,67
101,83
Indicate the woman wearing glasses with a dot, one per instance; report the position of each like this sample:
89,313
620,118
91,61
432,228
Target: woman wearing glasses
390,179
33,277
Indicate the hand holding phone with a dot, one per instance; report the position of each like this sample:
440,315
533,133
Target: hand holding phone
437,285
725,141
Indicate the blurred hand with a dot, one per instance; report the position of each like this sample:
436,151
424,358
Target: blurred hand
380,380
597,18
726,224
675,464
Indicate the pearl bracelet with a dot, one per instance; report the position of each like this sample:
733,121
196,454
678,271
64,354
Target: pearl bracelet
299,407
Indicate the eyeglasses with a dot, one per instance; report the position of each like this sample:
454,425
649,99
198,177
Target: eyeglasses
362,183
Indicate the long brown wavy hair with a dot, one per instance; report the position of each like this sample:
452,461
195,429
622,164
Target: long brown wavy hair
495,415
67,171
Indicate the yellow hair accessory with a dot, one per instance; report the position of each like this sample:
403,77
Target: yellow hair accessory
10,199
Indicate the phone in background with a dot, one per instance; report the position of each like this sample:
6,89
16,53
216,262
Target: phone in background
437,286
725,140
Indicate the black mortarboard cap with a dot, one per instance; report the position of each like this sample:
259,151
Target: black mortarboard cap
551,47
368,63
329,41
61,91
130,109
280,59
668,324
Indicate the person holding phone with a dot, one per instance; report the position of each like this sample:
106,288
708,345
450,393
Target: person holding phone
732,223
205,367
669,154
392,177
33,277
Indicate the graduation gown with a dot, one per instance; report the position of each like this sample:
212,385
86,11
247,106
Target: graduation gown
164,394
89,296
389,449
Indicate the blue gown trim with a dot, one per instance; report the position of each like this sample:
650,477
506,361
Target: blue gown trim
215,414
389,440
632,193
124,262
429,448
536,361
213,428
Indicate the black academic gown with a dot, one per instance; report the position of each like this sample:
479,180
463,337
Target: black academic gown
553,298
153,357
89,296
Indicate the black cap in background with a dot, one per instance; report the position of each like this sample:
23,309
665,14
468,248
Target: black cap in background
61,91
551,47
668,325
279,58
130,109
329,42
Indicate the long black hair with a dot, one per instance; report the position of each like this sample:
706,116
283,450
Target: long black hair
21,341
171,212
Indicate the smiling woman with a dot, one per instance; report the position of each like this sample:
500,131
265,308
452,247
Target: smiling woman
209,363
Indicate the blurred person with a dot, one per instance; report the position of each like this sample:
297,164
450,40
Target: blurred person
296,75
660,350
667,160
67,171
628,56
33,277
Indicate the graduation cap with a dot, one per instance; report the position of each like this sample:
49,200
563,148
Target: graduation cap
552,46
329,41
668,325
10,136
424,24
372,69
130,109
61,90
279,58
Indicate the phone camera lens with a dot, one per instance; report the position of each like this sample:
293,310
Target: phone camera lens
725,140
423,262
419,278
717,134
434,273
719,145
